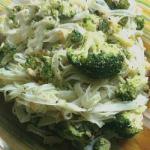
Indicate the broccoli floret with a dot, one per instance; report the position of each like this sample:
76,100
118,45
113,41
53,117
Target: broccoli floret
140,22
17,8
80,133
75,38
40,67
98,60
6,53
118,4
102,144
37,17
46,71
123,21
90,23
129,89
62,9
31,62
127,124
104,25
111,39
108,26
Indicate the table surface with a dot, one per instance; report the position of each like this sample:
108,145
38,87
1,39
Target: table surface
139,142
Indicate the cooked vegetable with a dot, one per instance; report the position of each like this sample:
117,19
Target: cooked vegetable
39,67
104,25
6,53
129,88
123,21
98,60
127,124
140,22
79,133
90,22
102,144
118,4
62,9
75,38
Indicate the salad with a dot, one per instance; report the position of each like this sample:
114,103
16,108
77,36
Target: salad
75,69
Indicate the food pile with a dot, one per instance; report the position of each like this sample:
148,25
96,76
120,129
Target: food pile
75,69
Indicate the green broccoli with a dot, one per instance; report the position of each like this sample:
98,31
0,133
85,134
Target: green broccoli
118,4
97,60
38,18
17,8
31,62
129,89
11,15
41,66
90,23
104,25
75,38
140,22
80,133
126,124
6,53
62,9
101,144
111,39
123,21
46,71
